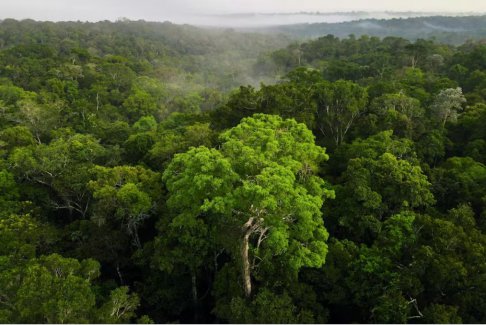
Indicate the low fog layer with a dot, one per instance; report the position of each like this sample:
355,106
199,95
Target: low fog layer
222,12
268,19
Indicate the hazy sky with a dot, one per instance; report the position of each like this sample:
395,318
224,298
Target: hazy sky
175,10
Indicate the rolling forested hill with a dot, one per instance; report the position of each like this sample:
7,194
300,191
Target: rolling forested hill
144,177
218,58
451,30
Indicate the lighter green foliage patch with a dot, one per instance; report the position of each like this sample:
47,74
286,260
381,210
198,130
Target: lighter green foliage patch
264,175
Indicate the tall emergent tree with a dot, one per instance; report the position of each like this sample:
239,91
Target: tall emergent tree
447,104
257,198
339,104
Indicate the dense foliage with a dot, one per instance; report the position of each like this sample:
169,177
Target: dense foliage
138,185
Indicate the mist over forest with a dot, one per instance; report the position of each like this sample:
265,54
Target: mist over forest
268,166
267,19
448,29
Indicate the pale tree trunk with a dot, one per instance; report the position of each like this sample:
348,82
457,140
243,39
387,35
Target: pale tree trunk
246,263
414,62
195,298
446,117
247,229
254,225
119,273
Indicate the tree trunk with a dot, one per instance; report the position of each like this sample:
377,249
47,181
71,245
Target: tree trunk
195,299
194,288
119,274
246,263
444,121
